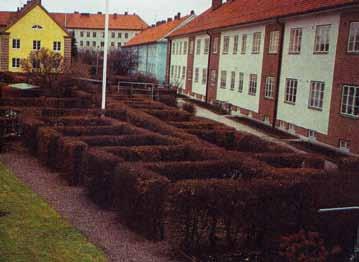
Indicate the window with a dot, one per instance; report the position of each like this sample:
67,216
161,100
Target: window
233,80
312,134
204,76
191,47
126,35
183,72
350,101
112,44
113,34
102,44
189,75
37,27
119,35
322,39
57,46
353,43
103,34
257,37
223,79
16,62
244,44
213,77
215,45
316,95
93,43
81,43
295,40
119,44
198,51
273,42
344,145
94,34
180,48
206,46
226,45
16,43
36,45
172,70
174,48
82,34
291,91
88,34
196,75
252,84
185,47
269,87
87,43
235,44
177,49
241,82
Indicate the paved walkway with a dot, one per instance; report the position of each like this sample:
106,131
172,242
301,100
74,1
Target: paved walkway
202,112
100,226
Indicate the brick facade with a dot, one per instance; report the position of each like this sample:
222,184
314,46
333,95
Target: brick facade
4,52
190,60
213,65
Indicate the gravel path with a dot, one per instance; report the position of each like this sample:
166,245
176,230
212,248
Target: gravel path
101,227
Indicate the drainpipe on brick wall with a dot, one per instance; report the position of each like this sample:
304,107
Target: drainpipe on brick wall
169,59
208,65
279,74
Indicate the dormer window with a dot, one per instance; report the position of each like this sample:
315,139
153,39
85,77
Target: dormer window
37,27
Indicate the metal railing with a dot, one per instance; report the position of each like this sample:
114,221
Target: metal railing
151,90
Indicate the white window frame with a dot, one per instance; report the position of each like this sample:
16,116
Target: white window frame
206,46
180,48
241,82
185,47
204,76
213,76
257,39
191,47
269,87
291,91
226,41
196,75
274,37
235,44
198,46
295,42
353,40
244,44
223,83
233,80
316,95
344,145
36,45
16,62
57,46
215,45
253,83
16,43
350,101
322,39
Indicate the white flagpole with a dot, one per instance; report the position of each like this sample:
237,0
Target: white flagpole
104,76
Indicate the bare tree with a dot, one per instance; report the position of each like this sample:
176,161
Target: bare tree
45,65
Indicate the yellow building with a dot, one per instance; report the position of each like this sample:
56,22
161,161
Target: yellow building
30,28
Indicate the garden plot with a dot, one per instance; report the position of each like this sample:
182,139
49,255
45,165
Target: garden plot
173,176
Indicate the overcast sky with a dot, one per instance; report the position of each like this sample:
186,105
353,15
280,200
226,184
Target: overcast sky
150,10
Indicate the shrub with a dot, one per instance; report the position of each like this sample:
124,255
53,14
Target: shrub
169,115
169,100
47,145
349,164
99,176
30,126
140,198
190,108
290,160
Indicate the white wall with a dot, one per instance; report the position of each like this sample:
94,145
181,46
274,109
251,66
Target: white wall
246,63
201,62
307,67
100,38
179,60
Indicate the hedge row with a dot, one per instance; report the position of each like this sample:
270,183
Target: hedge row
56,112
43,102
169,115
30,126
79,121
292,160
123,129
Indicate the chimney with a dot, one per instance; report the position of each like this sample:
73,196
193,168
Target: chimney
192,12
99,13
216,4
126,13
76,12
169,19
158,23
178,15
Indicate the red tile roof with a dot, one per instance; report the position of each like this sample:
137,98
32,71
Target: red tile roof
92,21
154,34
239,12
97,21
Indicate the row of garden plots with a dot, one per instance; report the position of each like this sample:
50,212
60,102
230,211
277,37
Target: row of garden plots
202,186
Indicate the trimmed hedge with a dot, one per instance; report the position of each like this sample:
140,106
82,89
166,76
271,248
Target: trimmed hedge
30,126
169,115
47,145
219,216
99,176
117,130
292,160
349,164
80,121
128,140
139,196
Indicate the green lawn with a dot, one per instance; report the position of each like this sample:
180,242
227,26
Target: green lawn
33,231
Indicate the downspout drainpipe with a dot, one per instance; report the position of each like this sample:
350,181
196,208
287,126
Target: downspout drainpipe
208,65
169,52
279,74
